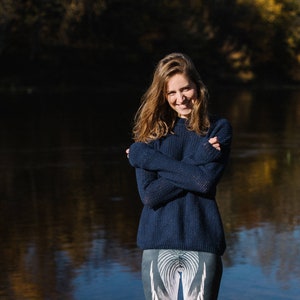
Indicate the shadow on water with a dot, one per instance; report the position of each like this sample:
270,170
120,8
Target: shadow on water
69,205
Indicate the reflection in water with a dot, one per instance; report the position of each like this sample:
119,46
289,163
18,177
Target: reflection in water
69,205
258,196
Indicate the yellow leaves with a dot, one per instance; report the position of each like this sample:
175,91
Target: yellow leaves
268,9
74,10
239,60
7,10
99,6
294,37
74,13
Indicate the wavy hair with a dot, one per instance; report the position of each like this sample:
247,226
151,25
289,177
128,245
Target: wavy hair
155,118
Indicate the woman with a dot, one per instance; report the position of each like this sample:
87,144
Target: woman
179,154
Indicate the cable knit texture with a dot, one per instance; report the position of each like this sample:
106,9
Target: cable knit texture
177,177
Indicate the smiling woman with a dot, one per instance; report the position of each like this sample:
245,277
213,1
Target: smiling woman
181,94
179,156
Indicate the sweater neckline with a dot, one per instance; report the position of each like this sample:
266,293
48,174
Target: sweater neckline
181,120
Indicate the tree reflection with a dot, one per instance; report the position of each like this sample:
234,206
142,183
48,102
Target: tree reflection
64,202
258,194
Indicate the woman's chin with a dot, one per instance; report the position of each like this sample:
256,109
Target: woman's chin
184,114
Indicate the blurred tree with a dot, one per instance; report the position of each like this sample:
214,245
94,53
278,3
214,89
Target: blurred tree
232,40
258,38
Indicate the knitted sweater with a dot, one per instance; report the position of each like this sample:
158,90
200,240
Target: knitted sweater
177,177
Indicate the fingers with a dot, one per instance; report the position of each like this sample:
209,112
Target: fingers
213,140
127,152
215,143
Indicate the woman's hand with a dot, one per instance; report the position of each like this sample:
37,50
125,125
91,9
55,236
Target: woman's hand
215,143
127,152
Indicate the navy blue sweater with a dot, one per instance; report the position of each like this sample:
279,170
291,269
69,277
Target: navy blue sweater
177,177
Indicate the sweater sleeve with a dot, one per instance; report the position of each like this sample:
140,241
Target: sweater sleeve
155,191
201,178
205,152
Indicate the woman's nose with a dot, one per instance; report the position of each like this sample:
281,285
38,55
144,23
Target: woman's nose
180,97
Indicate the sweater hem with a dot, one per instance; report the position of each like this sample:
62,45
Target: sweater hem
196,249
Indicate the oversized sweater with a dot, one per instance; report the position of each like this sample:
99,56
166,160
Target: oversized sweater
177,177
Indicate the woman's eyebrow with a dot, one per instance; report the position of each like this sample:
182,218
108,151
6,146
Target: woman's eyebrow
182,88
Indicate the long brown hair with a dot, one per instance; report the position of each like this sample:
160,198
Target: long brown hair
155,118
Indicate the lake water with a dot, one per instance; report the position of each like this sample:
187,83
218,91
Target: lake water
70,209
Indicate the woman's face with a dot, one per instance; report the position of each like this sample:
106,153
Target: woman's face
181,94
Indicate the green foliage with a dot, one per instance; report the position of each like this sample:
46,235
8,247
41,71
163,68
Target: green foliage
236,40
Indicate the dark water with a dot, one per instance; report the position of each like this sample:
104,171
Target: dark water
69,206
